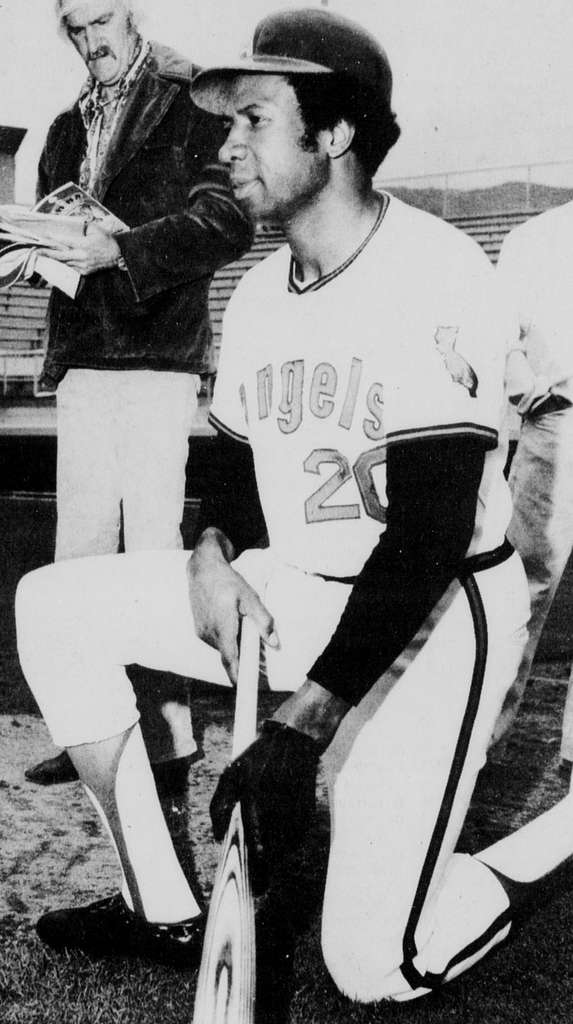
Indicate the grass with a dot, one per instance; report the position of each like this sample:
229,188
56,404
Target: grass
531,980
38,987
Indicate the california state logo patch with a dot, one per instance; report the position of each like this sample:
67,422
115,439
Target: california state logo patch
458,368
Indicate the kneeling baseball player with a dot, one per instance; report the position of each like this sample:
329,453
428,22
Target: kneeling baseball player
363,365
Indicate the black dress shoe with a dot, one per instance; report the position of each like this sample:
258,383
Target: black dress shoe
53,771
170,776
109,928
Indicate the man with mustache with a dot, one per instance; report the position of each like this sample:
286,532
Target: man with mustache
125,355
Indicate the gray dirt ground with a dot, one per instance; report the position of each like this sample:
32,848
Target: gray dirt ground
53,849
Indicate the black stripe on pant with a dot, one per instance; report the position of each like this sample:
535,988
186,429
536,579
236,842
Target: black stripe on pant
429,980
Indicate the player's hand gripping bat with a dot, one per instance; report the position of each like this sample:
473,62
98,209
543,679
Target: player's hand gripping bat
226,984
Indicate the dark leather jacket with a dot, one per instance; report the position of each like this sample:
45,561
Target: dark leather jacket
161,177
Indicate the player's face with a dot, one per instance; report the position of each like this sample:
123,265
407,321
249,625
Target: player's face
103,35
273,174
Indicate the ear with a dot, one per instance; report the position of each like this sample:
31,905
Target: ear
339,139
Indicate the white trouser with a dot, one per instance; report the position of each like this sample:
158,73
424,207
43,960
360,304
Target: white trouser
123,441
401,769
541,530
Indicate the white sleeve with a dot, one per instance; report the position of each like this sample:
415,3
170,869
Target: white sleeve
514,277
513,280
452,381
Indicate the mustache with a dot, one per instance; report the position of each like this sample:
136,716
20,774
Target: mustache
102,51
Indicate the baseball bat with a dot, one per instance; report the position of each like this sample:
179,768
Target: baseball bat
226,984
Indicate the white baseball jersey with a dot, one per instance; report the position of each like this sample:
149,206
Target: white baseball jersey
404,341
389,347
534,269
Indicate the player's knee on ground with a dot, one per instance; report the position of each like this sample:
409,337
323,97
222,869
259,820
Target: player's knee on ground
467,917
357,962
370,980
362,978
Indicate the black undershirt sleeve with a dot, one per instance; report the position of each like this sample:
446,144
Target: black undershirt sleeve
231,500
432,489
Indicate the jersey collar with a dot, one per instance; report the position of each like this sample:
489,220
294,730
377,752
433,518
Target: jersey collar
299,288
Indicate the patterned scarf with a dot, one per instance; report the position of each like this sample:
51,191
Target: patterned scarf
100,116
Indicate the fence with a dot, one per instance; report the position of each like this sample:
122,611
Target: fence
528,188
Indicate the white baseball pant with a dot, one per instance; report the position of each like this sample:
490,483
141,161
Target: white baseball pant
402,912
541,530
123,444
123,438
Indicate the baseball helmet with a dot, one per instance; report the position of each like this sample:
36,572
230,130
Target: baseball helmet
307,41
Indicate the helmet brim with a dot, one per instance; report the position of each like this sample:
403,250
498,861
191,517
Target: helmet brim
211,89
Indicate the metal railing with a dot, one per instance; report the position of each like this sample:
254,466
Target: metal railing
526,181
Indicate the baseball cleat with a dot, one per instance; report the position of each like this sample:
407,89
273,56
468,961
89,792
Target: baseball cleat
109,928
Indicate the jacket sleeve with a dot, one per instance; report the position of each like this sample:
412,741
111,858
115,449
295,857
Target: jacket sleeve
42,189
58,159
42,180
432,489
192,243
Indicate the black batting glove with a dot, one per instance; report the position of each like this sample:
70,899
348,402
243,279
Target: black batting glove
275,782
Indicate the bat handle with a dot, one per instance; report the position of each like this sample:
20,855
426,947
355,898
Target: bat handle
245,725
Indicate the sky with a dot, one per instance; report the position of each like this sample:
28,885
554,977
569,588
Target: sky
477,83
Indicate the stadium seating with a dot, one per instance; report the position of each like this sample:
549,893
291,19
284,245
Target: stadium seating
22,336
23,308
